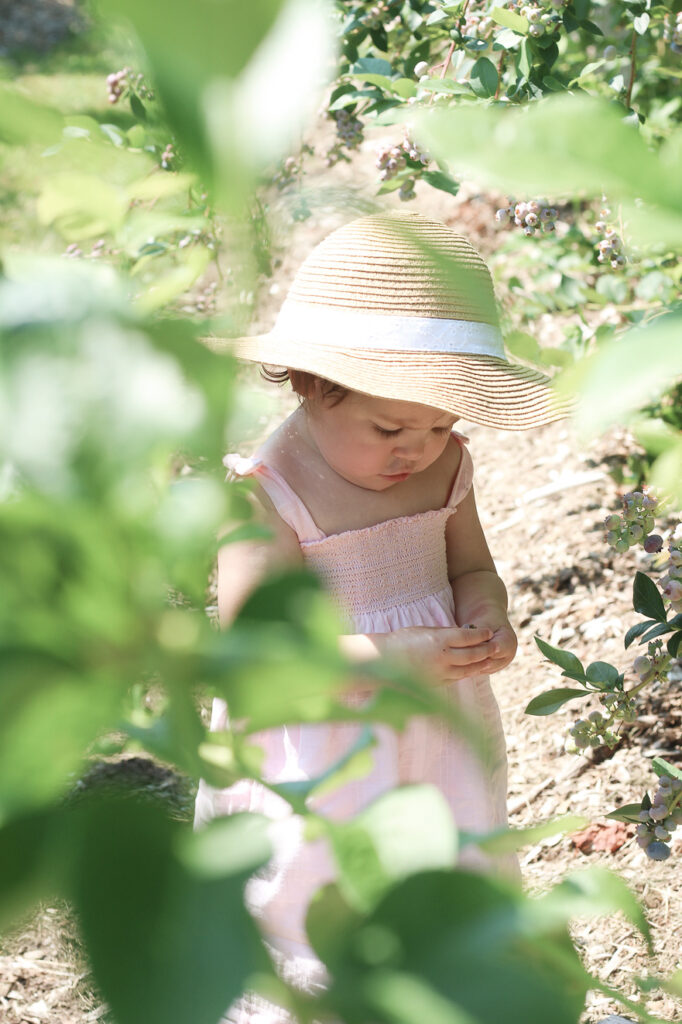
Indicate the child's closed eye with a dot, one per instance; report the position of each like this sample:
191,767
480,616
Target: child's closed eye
387,433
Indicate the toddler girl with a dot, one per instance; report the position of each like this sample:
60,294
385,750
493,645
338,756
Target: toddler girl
389,333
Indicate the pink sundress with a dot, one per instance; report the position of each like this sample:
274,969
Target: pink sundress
383,577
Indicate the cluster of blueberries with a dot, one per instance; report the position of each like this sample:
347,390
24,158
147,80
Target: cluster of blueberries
124,81
610,245
635,524
391,160
659,821
530,216
671,581
349,134
542,19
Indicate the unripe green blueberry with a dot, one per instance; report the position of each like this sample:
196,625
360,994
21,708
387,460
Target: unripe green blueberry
621,546
610,52
612,522
641,665
670,823
536,30
421,67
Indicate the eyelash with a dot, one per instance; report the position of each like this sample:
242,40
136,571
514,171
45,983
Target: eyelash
393,433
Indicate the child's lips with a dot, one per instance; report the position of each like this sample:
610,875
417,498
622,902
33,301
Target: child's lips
398,476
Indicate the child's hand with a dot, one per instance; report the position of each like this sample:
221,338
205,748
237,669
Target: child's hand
451,652
503,648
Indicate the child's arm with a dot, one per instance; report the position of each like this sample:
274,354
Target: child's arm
245,564
479,593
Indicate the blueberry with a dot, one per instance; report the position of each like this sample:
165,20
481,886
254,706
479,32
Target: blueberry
658,850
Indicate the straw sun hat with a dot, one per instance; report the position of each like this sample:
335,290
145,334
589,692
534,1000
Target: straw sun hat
398,306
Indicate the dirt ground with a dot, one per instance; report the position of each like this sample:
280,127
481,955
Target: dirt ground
542,498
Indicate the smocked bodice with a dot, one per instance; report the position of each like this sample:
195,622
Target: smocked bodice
374,570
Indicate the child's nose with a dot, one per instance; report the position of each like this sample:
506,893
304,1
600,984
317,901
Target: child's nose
412,448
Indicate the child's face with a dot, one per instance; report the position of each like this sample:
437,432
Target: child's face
378,442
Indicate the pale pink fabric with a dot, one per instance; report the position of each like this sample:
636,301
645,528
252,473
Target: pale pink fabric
383,577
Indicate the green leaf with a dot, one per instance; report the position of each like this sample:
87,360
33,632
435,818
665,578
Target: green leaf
138,107
175,282
32,861
81,206
507,40
484,77
509,19
589,26
47,720
520,150
615,381
525,61
424,953
441,181
328,919
655,631
646,598
408,829
663,767
404,87
509,840
382,81
602,672
23,121
152,899
593,893
551,700
373,65
628,812
571,665
674,644
636,630
523,346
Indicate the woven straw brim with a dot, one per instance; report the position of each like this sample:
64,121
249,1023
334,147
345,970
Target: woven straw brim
482,389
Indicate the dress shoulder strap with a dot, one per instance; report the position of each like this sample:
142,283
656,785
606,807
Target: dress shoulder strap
464,477
287,503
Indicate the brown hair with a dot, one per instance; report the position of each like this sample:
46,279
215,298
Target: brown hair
306,385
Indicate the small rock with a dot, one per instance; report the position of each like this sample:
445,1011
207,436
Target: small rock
615,1019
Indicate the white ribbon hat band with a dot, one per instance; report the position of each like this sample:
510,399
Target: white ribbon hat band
324,326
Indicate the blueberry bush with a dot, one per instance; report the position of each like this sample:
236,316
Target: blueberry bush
113,418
